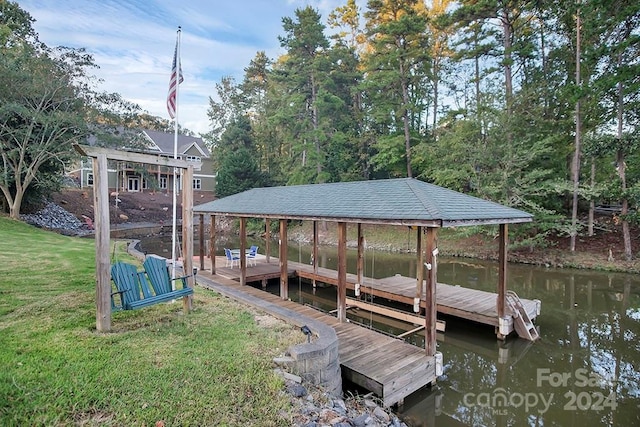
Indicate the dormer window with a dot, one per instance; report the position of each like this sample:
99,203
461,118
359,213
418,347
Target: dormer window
196,159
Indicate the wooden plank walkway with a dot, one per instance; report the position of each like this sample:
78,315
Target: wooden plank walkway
470,304
387,366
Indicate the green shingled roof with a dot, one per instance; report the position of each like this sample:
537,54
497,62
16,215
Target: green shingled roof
405,201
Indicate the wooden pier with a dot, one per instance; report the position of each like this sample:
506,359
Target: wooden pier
384,365
469,304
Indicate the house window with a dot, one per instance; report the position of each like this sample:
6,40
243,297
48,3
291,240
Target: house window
193,158
90,179
163,182
197,184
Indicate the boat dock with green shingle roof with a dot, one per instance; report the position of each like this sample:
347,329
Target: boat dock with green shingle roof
403,202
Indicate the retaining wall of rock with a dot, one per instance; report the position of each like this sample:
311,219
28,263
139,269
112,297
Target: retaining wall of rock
317,361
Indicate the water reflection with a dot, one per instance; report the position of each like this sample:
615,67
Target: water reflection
583,372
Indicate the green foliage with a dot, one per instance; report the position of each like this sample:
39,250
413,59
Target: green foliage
367,102
47,103
237,168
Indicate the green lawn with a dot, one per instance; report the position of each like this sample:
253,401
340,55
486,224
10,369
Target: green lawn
209,367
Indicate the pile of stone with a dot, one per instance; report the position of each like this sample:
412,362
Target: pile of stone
317,408
53,217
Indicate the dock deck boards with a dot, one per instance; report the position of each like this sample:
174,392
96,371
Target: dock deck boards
470,304
387,366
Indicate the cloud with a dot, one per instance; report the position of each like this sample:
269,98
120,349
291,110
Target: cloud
132,41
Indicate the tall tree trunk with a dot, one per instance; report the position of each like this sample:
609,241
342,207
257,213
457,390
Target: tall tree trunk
575,166
315,121
436,77
592,203
620,160
506,43
405,118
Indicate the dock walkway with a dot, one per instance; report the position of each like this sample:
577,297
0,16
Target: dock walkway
387,366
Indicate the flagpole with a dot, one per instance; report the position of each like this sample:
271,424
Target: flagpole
175,156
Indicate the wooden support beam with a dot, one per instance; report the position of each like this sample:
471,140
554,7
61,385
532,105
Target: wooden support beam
284,273
212,244
430,294
315,253
102,230
187,232
129,156
201,235
342,272
267,249
360,262
502,270
419,269
243,255
393,313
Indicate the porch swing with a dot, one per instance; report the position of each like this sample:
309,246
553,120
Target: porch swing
139,289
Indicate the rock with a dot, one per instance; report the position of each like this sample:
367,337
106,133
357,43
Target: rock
54,217
361,421
297,390
380,414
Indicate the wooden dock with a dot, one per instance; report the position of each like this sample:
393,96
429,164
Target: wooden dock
387,366
458,301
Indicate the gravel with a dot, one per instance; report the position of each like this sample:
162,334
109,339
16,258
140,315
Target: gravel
54,217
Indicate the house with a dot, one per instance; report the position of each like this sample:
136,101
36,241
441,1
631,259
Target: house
128,177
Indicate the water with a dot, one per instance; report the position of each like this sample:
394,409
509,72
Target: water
585,371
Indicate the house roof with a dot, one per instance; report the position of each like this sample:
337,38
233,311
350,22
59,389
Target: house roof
164,142
403,201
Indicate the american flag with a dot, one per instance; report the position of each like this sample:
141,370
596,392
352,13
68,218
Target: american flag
174,81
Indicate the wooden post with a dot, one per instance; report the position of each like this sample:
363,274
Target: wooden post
267,249
212,244
187,232
430,295
315,253
284,273
360,262
342,271
102,230
243,255
419,270
201,234
502,270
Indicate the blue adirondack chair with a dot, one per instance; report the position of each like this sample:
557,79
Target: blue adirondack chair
127,280
158,274
137,288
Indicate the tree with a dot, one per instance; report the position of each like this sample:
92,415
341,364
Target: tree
47,103
222,112
41,108
237,167
396,68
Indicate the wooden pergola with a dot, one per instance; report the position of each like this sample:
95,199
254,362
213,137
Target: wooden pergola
100,157
402,202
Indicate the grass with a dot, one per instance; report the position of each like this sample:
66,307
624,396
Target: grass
157,367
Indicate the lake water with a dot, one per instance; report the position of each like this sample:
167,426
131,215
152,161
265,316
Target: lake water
585,370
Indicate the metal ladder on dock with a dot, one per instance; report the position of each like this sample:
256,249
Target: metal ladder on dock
522,323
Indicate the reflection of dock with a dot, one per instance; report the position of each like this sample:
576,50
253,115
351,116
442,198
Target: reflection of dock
387,366
469,304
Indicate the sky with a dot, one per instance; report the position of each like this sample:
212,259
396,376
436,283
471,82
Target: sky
132,41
